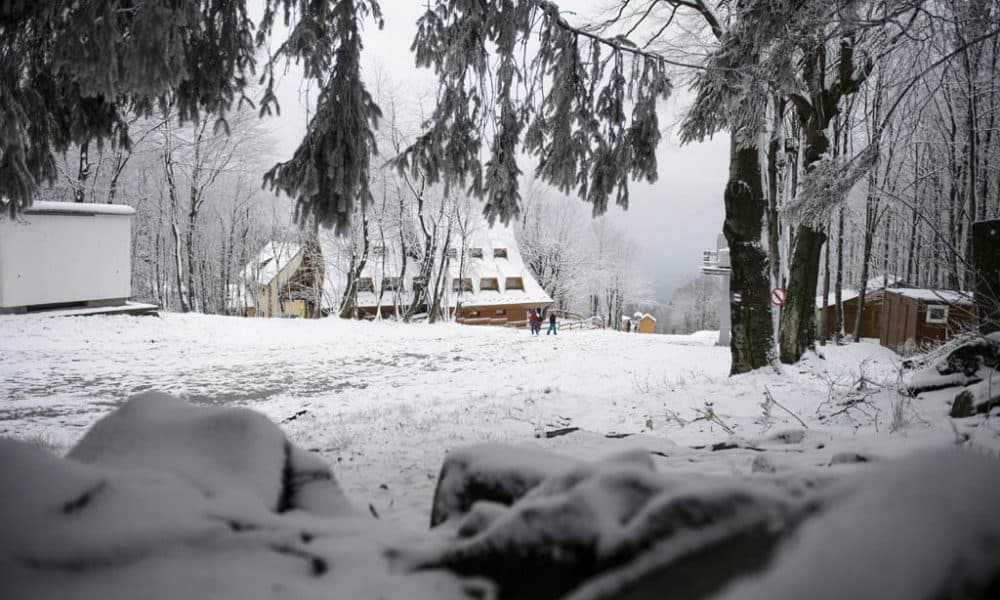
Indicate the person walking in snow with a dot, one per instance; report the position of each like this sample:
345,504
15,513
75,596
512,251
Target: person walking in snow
552,324
535,322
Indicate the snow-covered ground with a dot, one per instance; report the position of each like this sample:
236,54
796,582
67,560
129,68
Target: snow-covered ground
384,402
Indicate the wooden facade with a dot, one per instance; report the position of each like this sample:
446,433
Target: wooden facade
913,319
871,320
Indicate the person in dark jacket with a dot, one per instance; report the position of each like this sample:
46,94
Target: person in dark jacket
552,324
535,322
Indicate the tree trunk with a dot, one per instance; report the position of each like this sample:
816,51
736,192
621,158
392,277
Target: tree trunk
189,248
179,268
838,306
824,334
753,337
798,318
82,173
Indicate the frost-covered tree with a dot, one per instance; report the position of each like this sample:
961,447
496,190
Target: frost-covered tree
71,71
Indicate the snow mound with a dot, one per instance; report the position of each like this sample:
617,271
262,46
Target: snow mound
922,527
165,500
216,449
491,472
617,516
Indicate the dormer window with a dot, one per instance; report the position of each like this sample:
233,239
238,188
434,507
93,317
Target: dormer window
499,253
514,283
391,284
464,284
419,283
452,253
365,284
488,283
476,252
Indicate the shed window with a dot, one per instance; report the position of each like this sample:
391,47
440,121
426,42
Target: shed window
499,253
476,252
937,313
514,283
365,284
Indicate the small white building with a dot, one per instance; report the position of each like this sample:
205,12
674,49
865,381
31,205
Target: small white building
67,255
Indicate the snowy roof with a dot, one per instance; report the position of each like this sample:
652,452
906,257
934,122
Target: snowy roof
78,208
873,289
271,259
942,296
845,295
490,266
487,266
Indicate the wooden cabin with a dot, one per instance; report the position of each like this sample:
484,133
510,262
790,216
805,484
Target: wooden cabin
283,281
913,318
871,320
644,323
488,284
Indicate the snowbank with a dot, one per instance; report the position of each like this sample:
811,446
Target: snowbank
165,500
922,527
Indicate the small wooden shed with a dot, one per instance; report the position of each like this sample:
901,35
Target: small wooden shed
912,317
871,319
646,323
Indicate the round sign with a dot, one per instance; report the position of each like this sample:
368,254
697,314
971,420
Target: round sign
778,296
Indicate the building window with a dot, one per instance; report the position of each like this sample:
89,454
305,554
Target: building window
473,313
476,253
488,283
499,253
937,313
365,284
500,312
514,283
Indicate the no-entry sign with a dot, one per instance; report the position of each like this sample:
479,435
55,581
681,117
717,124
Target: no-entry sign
778,296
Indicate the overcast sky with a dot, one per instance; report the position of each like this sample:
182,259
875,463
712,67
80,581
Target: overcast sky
672,220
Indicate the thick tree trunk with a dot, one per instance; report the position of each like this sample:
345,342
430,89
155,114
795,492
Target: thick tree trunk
774,151
798,318
753,337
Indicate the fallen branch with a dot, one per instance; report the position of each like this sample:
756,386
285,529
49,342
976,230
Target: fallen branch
770,398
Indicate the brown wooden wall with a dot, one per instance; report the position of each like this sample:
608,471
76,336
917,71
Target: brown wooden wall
871,324
905,320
